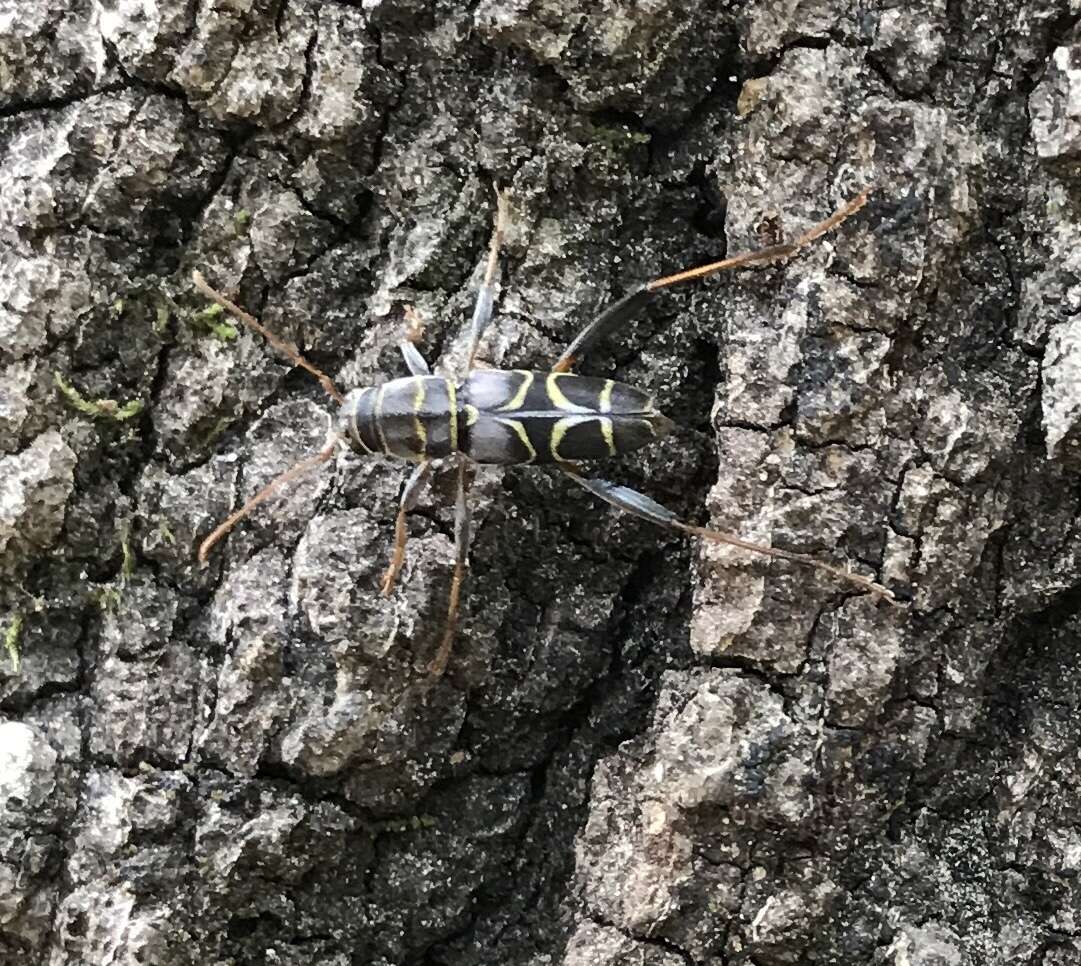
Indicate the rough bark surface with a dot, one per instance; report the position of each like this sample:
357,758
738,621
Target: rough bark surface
644,751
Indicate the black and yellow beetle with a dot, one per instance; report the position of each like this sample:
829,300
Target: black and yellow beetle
513,417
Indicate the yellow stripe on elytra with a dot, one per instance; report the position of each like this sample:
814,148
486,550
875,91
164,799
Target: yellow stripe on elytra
555,394
379,419
562,426
452,403
559,430
609,436
517,426
518,398
418,401
606,396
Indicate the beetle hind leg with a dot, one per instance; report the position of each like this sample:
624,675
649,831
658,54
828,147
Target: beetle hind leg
639,505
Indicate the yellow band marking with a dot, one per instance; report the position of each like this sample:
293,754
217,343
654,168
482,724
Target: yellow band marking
472,414
518,398
567,423
555,394
452,402
606,396
609,436
418,401
517,426
559,430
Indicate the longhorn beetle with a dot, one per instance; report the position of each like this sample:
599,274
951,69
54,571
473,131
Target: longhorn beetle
508,417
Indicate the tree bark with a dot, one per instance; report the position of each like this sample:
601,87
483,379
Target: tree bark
645,750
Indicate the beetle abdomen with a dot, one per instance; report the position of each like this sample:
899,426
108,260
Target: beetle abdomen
517,416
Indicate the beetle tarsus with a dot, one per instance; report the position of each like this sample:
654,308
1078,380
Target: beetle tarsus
410,495
396,561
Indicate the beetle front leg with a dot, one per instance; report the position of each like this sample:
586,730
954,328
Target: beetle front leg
640,505
410,495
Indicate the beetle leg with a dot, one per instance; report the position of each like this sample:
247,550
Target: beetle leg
461,553
628,306
413,334
413,359
290,352
410,495
482,311
642,506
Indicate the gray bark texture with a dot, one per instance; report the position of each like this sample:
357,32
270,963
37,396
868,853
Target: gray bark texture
645,751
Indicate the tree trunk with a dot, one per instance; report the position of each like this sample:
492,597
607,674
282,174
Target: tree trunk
644,750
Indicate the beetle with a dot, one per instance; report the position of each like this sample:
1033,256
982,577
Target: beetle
513,417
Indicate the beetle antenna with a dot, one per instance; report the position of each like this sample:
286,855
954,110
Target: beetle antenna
290,352
773,253
297,469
